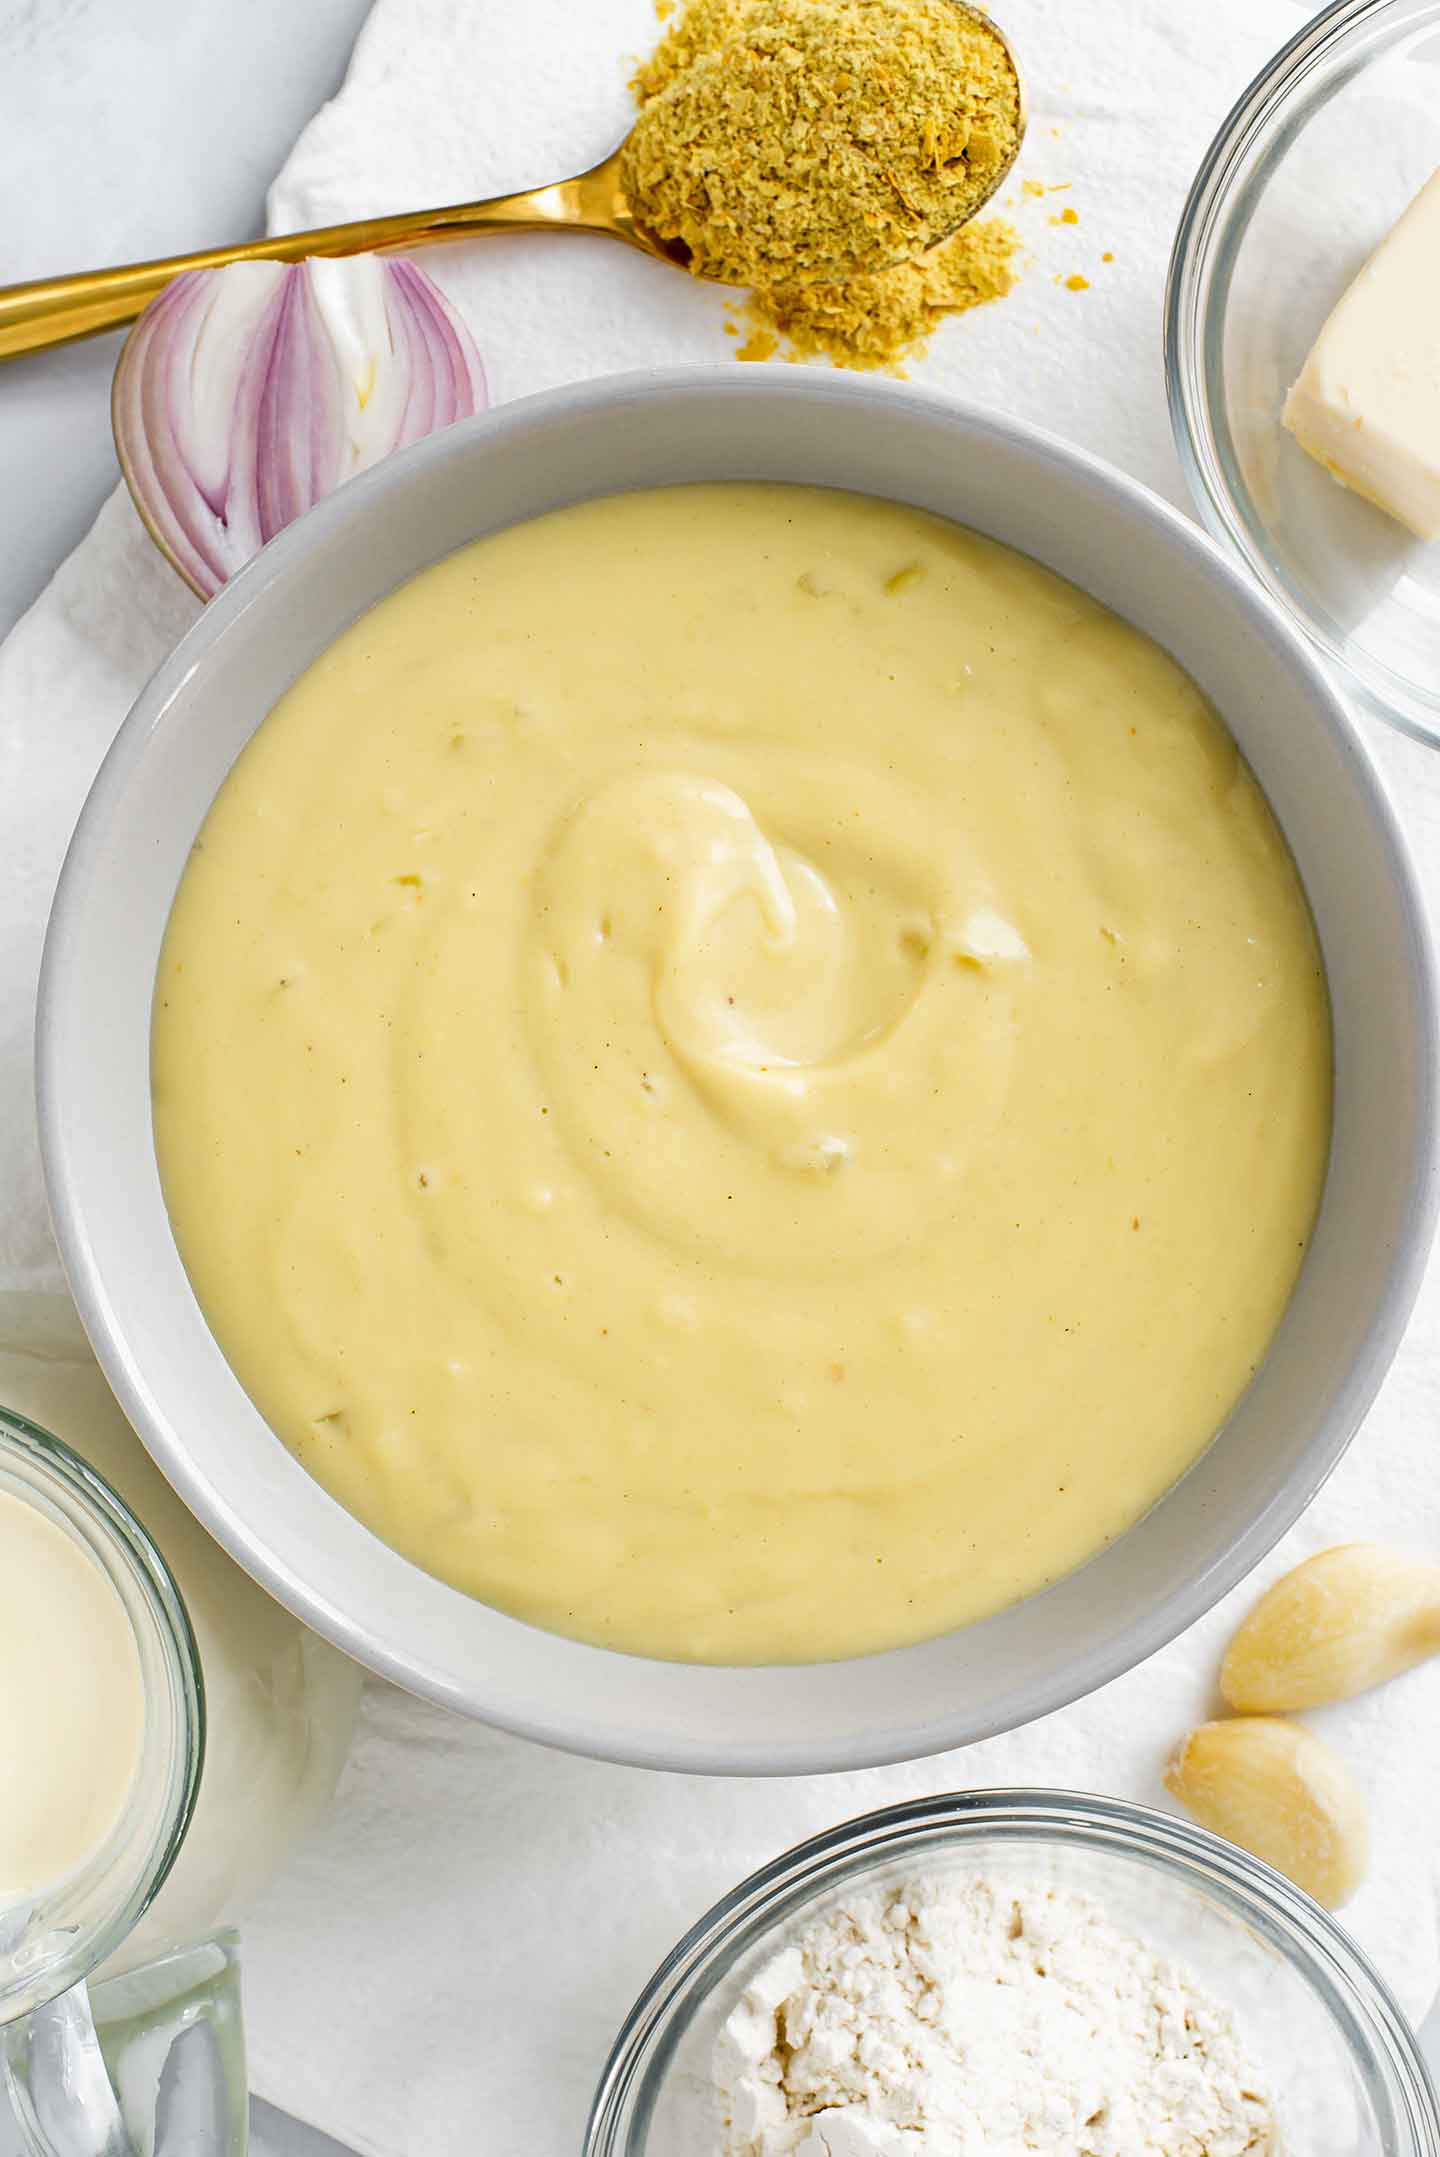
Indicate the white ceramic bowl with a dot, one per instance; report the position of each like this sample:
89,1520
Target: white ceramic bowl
1119,543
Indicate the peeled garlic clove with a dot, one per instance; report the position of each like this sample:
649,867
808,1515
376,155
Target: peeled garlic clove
1281,1793
1345,1620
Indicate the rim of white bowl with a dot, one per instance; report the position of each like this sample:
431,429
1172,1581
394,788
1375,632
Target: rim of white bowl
578,1727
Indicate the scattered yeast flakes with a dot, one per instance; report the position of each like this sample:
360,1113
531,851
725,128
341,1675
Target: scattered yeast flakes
877,322
778,138
760,344
1076,283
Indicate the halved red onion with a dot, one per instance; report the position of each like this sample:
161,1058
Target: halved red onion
244,394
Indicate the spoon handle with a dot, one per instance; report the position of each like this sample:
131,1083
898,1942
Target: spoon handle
55,310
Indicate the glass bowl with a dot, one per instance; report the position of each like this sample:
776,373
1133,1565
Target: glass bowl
1341,2061
1308,173
52,1939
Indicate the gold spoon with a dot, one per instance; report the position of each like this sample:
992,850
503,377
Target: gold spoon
55,310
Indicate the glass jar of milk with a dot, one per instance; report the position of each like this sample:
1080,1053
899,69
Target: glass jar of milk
177,1731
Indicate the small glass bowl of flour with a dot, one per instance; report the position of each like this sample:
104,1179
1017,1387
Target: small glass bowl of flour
1004,1972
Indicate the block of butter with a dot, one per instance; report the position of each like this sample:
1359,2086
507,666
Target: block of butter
1367,403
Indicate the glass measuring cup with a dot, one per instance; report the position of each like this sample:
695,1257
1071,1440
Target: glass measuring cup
149,2063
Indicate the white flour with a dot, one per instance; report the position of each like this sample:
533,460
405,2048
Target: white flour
952,2016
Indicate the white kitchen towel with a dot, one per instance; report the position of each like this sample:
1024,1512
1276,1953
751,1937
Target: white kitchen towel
443,1968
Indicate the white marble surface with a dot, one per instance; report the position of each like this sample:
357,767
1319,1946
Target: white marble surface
128,131
124,132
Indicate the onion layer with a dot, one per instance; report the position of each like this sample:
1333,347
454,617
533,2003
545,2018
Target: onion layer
244,394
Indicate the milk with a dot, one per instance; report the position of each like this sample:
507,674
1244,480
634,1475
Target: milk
280,1703
72,1703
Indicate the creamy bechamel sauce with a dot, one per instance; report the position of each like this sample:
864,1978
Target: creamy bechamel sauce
742,1072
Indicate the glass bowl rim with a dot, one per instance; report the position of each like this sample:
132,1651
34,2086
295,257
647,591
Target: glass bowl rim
1257,115
1076,1818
